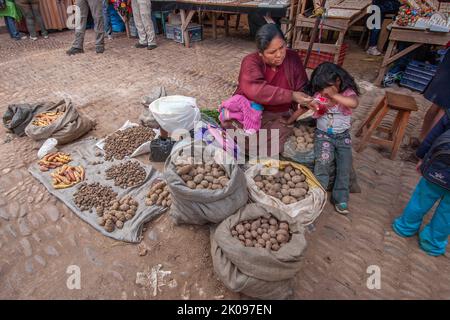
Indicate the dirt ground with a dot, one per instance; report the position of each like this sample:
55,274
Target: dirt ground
40,237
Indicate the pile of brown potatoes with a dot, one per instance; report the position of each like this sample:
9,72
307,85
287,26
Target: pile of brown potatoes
159,194
303,138
262,233
203,176
119,212
288,185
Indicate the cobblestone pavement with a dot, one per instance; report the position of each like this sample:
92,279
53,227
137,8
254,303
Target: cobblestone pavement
40,237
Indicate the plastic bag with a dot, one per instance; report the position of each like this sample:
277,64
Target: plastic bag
48,146
175,112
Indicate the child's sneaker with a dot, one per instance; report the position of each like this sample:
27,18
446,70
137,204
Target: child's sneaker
342,208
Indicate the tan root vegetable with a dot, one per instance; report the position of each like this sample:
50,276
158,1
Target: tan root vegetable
159,194
210,176
262,233
288,185
303,138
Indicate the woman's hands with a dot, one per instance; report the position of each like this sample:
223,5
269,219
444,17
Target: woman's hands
301,98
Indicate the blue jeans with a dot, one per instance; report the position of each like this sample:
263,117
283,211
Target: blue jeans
386,7
106,18
433,239
11,26
327,148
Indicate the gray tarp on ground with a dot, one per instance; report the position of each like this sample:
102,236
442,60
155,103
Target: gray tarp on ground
257,272
82,153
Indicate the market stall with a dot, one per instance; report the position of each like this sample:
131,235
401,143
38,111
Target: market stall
277,8
338,16
429,27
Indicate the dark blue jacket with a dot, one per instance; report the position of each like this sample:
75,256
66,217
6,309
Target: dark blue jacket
442,126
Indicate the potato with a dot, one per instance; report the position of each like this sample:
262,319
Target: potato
249,243
265,236
164,203
224,181
262,242
283,181
241,237
198,178
300,139
296,179
191,184
101,221
284,226
273,240
254,233
247,235
268,245
216,186
297,192
287,176
288,169
240,229
298,132
285,192
276,187
275,247
283,232
247,226
204,183
279,196
293,200
259,231
209,178
273,221
309,146
184,169
257,178
281,238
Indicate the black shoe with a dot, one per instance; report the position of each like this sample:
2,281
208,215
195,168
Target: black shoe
73,51
138,45
152,46
99,49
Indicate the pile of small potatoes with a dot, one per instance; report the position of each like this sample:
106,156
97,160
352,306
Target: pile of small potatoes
159,194
119,212
288,185
262,233
303,138
203,176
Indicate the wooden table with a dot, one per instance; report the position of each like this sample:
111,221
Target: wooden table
188,8
406,34
341,20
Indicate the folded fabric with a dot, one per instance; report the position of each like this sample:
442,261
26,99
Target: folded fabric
239,108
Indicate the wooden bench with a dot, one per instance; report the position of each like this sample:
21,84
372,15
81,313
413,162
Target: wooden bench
403,104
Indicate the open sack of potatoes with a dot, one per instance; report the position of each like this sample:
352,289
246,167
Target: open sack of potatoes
298,194
256,271
203,191
300,146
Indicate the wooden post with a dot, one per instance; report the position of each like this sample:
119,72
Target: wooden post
214,22
314,33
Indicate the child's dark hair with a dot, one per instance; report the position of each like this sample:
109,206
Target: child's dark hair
326,74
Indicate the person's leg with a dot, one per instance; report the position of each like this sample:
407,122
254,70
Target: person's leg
38,17
106,18
434,237
145,9
81,29
324,150
343,155
422,200
96,7
138,22
11,26
25,7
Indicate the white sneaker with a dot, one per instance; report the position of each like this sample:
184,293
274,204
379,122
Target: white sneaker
110,37
373,51
33,38
46,36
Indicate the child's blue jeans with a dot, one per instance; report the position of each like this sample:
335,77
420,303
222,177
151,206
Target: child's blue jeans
433,238
327,148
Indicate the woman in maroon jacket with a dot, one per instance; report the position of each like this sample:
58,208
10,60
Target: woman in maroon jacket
273,77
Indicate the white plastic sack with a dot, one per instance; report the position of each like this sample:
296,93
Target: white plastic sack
48,146
175,112
304,211
142,149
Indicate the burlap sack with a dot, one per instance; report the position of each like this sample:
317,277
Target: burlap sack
18,116
304,211
257,272
204,206
67,128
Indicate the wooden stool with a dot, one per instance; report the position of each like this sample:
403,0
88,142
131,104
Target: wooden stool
391,101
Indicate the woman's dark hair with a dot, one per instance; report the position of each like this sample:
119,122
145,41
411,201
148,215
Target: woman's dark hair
266,34
326,74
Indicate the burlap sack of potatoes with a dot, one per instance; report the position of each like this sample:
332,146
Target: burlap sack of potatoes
67,128
304,211
204,206
18,116
257,272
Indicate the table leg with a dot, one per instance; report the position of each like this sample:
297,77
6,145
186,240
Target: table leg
238,20
227,30
185,20
384,65
339,44
214,25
